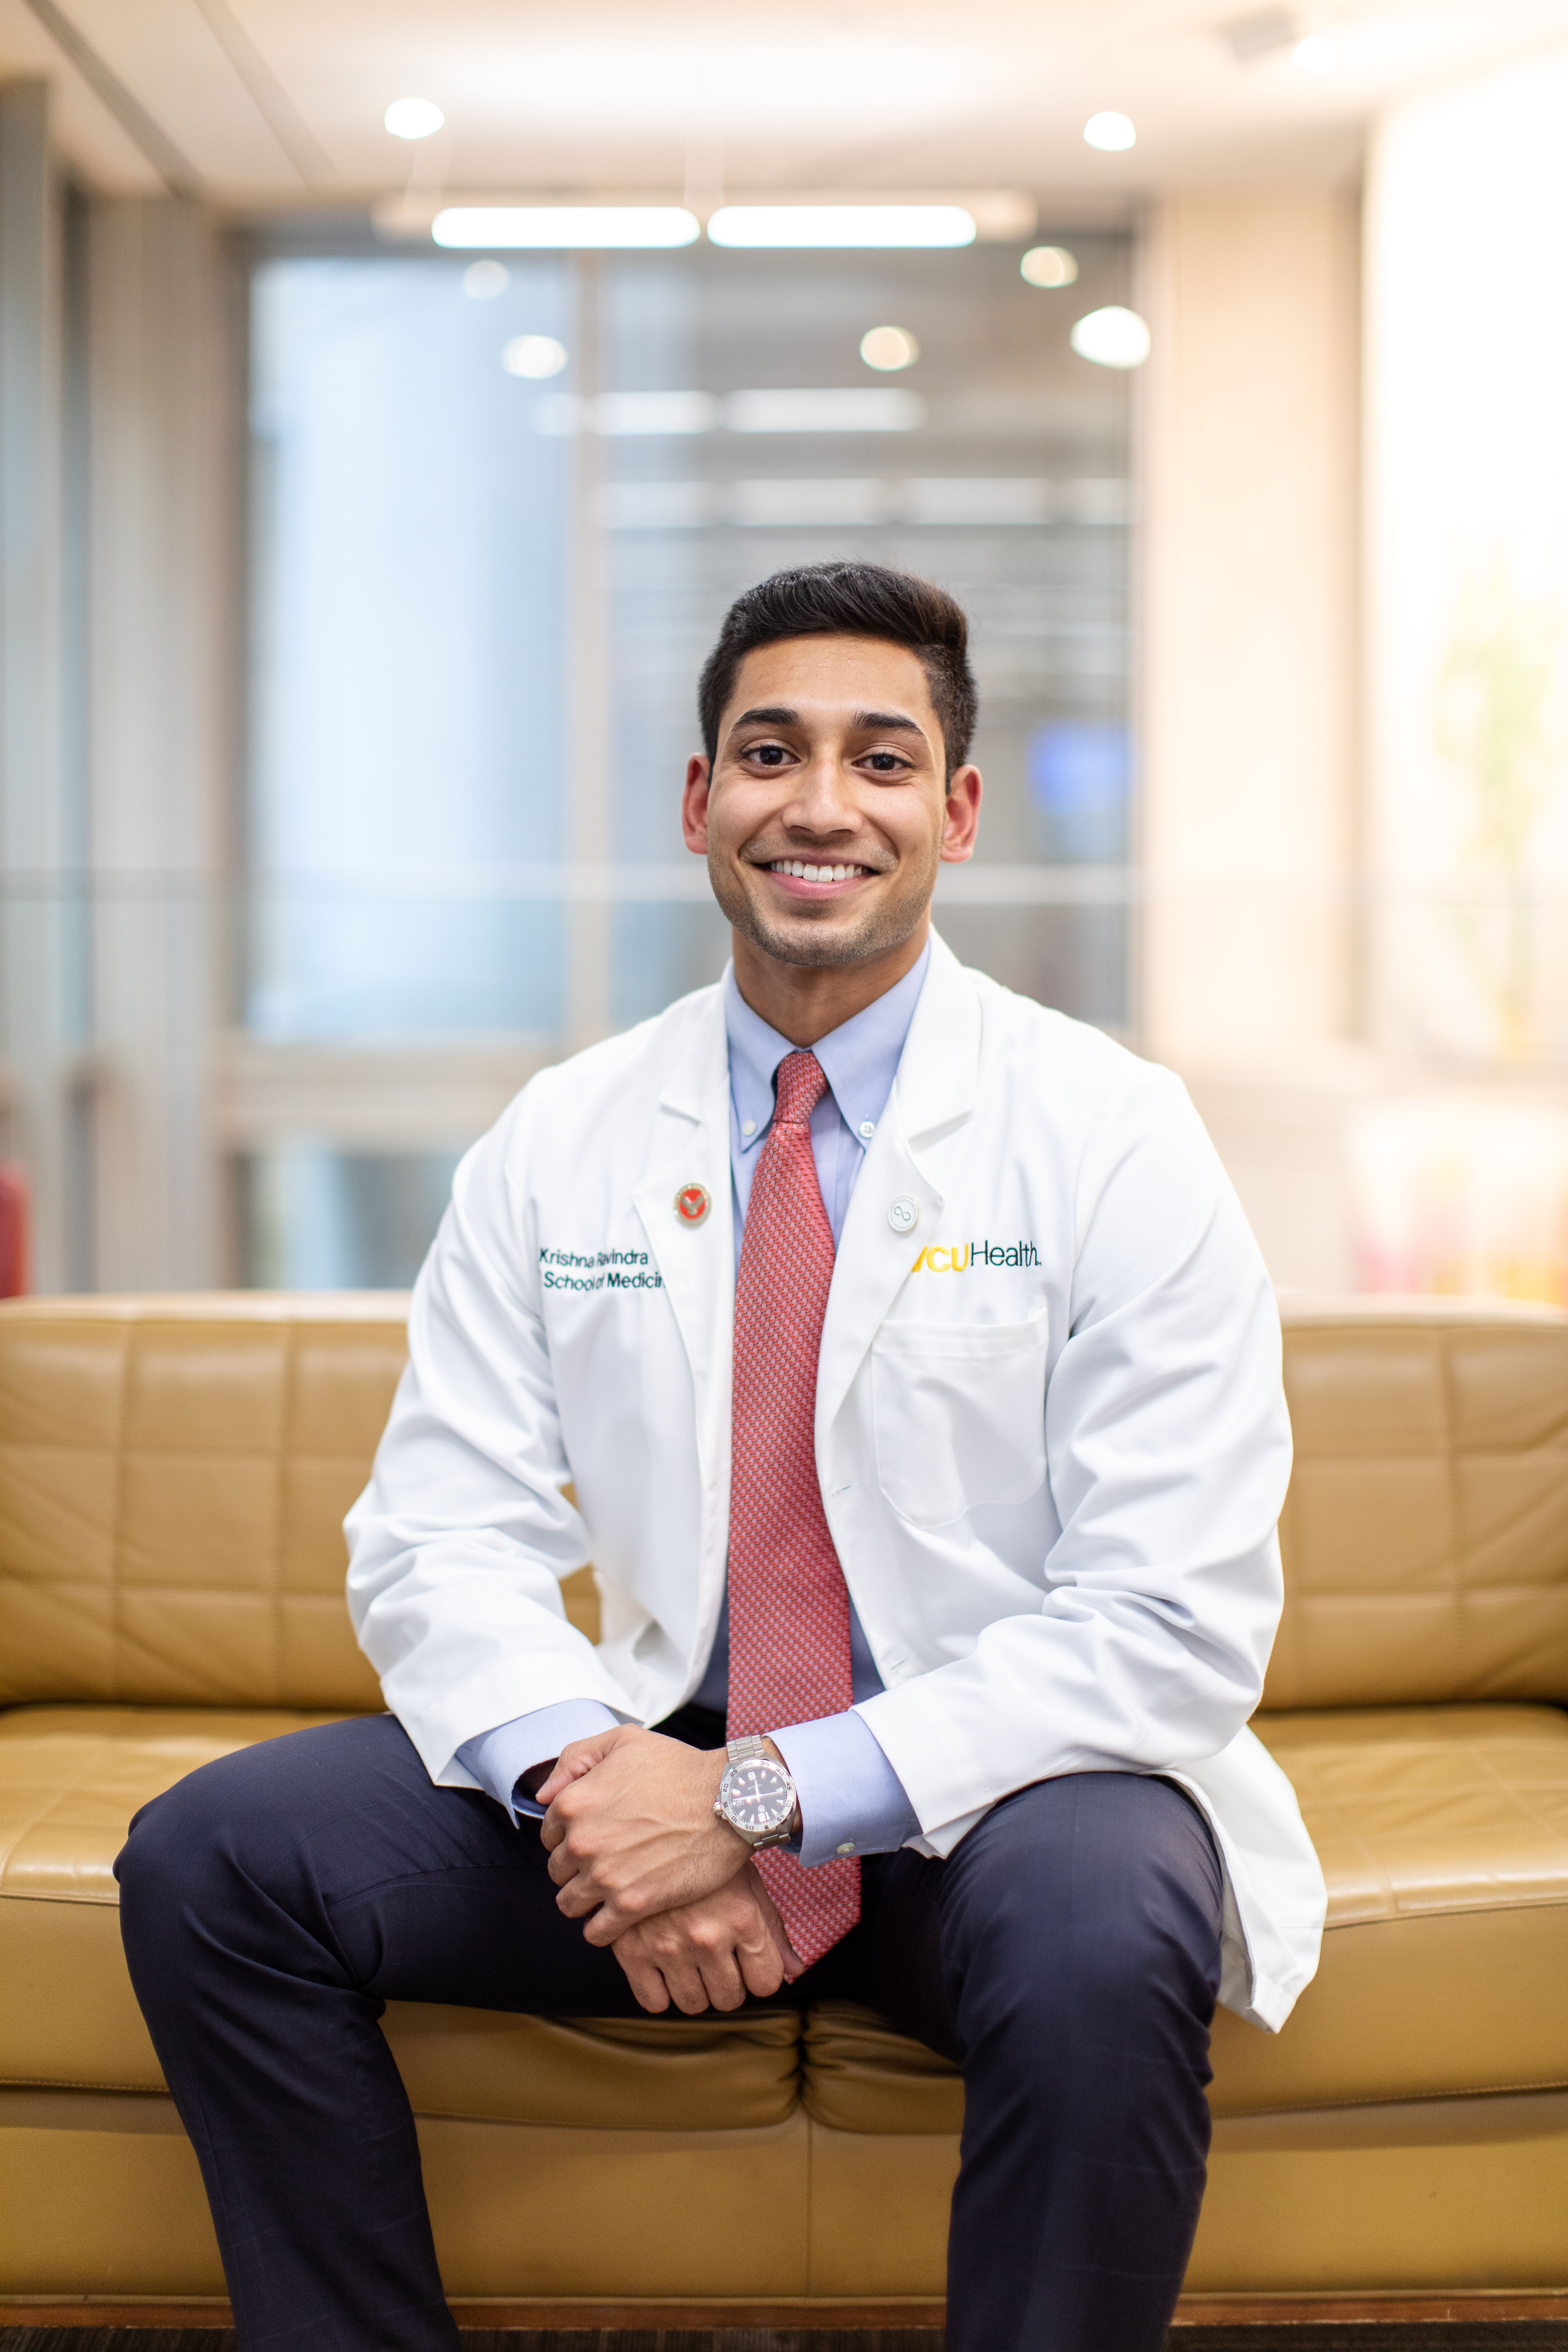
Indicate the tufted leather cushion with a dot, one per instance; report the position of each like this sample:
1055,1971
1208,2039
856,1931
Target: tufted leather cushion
173,1475
1444,1837
70,1777
1426,1532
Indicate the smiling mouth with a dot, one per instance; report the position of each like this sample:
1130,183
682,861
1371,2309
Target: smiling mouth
802,872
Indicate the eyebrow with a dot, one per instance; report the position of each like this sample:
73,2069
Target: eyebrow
881,723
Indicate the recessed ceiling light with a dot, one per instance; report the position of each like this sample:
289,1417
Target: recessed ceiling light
534,356
485,279
1049,265
1111,133
889,348
1315,55
565,227
868,226
1113,337
413,117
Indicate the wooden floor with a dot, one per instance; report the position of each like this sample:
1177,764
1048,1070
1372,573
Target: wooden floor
1495,2335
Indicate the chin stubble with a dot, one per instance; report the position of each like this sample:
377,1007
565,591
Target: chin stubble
823,941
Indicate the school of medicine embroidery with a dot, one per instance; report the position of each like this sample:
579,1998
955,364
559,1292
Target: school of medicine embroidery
610,1269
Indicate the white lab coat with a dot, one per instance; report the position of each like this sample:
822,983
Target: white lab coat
1050,1431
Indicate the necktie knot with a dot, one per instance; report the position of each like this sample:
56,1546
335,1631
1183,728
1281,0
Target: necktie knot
802,1083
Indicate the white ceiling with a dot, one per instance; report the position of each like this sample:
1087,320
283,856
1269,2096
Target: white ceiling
278,103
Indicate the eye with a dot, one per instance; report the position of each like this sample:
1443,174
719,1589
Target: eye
884,763
771,755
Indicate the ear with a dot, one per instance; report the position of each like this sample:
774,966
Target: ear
694,807
960,817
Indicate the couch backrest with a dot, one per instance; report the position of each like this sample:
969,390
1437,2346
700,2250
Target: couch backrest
1426,1532
173,1474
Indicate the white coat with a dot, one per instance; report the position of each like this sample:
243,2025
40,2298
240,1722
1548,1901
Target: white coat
1050,1431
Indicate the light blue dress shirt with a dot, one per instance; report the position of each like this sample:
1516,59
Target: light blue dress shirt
851,1799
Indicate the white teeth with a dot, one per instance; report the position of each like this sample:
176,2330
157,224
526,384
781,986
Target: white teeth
803,873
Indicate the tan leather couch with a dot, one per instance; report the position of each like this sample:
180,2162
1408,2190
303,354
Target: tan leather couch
172,1474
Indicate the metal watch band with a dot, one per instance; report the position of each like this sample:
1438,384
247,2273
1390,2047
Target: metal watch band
752,1750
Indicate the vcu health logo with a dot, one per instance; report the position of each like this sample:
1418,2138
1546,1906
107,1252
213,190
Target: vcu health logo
961,1255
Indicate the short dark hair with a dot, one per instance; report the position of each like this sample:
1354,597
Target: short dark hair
850,600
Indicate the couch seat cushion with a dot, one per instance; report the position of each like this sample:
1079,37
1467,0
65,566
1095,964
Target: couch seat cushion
70,1779
1444,1838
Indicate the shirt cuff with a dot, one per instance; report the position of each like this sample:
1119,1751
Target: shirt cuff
851,1799
498,1758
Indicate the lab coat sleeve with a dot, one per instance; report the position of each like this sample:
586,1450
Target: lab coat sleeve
458,1544
1168,1452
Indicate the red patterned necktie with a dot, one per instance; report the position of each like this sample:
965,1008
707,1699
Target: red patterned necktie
789,1606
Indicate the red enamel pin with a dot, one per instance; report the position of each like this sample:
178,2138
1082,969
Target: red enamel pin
693,1204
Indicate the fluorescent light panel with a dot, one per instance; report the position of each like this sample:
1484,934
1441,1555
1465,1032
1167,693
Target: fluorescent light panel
565,227
841,225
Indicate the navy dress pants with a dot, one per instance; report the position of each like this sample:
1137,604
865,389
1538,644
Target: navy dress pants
1067,1955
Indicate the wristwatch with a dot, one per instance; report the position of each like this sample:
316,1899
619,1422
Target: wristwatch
756,1796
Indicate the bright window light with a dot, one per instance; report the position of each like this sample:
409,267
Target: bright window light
825,411
565,227
1114,338
842,226
483,280
889,348
413,117
1315,55
1111,133
1049,265
535,356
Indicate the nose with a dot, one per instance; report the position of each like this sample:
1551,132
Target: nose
822,802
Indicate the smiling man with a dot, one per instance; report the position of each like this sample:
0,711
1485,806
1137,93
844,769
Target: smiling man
896,1350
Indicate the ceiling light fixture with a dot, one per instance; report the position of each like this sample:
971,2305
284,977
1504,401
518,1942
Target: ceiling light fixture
565,227
533,356
483,280
889,348
1049,265
1112,338
869,226
1315,55
1111,133
413,117
827,411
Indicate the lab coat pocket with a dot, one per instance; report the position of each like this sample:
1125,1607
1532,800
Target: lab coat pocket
959,1415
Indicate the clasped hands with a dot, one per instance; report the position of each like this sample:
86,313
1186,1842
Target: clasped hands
642,1859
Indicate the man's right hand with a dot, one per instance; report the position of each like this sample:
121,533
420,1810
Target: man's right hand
711,1953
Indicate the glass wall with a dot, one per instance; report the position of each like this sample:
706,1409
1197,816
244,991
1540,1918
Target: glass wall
498,509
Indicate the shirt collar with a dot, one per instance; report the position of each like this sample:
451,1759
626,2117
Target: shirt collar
859,1058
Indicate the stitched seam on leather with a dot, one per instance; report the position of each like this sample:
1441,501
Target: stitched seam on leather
132,1331
279,1461
1396,2099
76,2083
1451,1488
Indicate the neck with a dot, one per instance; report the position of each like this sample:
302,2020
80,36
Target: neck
805,1001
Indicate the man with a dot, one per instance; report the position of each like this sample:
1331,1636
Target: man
897,1352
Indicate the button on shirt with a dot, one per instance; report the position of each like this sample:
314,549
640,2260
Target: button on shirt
850,1797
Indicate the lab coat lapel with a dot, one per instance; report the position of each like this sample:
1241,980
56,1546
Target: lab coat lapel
690,1145
932,1093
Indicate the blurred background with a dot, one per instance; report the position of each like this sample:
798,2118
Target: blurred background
393,398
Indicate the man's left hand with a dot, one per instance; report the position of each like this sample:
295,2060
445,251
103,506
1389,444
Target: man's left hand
631,1829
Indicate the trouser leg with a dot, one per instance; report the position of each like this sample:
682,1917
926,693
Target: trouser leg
1076,1931
272,1904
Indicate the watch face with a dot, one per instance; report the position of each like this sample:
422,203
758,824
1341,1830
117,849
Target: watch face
757,1797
